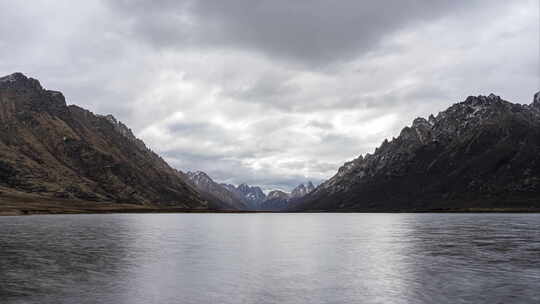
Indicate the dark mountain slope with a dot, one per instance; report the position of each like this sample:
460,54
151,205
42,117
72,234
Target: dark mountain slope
254,196
58,151
216,194
278,200
480,153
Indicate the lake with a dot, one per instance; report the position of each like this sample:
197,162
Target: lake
270,258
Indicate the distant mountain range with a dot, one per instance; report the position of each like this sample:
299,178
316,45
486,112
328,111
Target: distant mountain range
279,200
479,154
244,196
482,153
218,194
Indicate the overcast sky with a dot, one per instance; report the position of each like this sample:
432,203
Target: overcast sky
273,92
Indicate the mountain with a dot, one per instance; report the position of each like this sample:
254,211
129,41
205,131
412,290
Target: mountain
309,187
253,194
275,200
54,151
234,190
255,199
222,197
301,190
481,153
278,200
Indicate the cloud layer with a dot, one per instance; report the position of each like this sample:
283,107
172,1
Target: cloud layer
272,92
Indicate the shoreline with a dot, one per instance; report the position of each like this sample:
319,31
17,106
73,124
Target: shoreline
146,210
22,204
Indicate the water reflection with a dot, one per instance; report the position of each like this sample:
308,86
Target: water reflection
45,258
486,258
270,258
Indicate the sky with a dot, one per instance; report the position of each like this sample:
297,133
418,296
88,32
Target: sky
272,92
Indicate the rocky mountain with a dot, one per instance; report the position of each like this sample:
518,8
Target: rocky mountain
254,198
278,200
253,194
220,195
54,151
483,152
233,189
302,190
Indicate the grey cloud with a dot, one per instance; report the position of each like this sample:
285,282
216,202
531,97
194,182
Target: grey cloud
311,165
269,89
426,92
314,32
199,128
270,125
320,124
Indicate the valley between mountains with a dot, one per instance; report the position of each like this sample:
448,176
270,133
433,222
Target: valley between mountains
482,154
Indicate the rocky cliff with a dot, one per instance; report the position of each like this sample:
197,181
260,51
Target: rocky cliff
278,200
253,195
56,151
481,153
220,196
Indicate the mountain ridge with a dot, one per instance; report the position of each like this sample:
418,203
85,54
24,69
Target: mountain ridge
57,151
278,200
222,197
479,153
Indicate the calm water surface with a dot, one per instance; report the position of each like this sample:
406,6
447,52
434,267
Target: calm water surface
270,258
